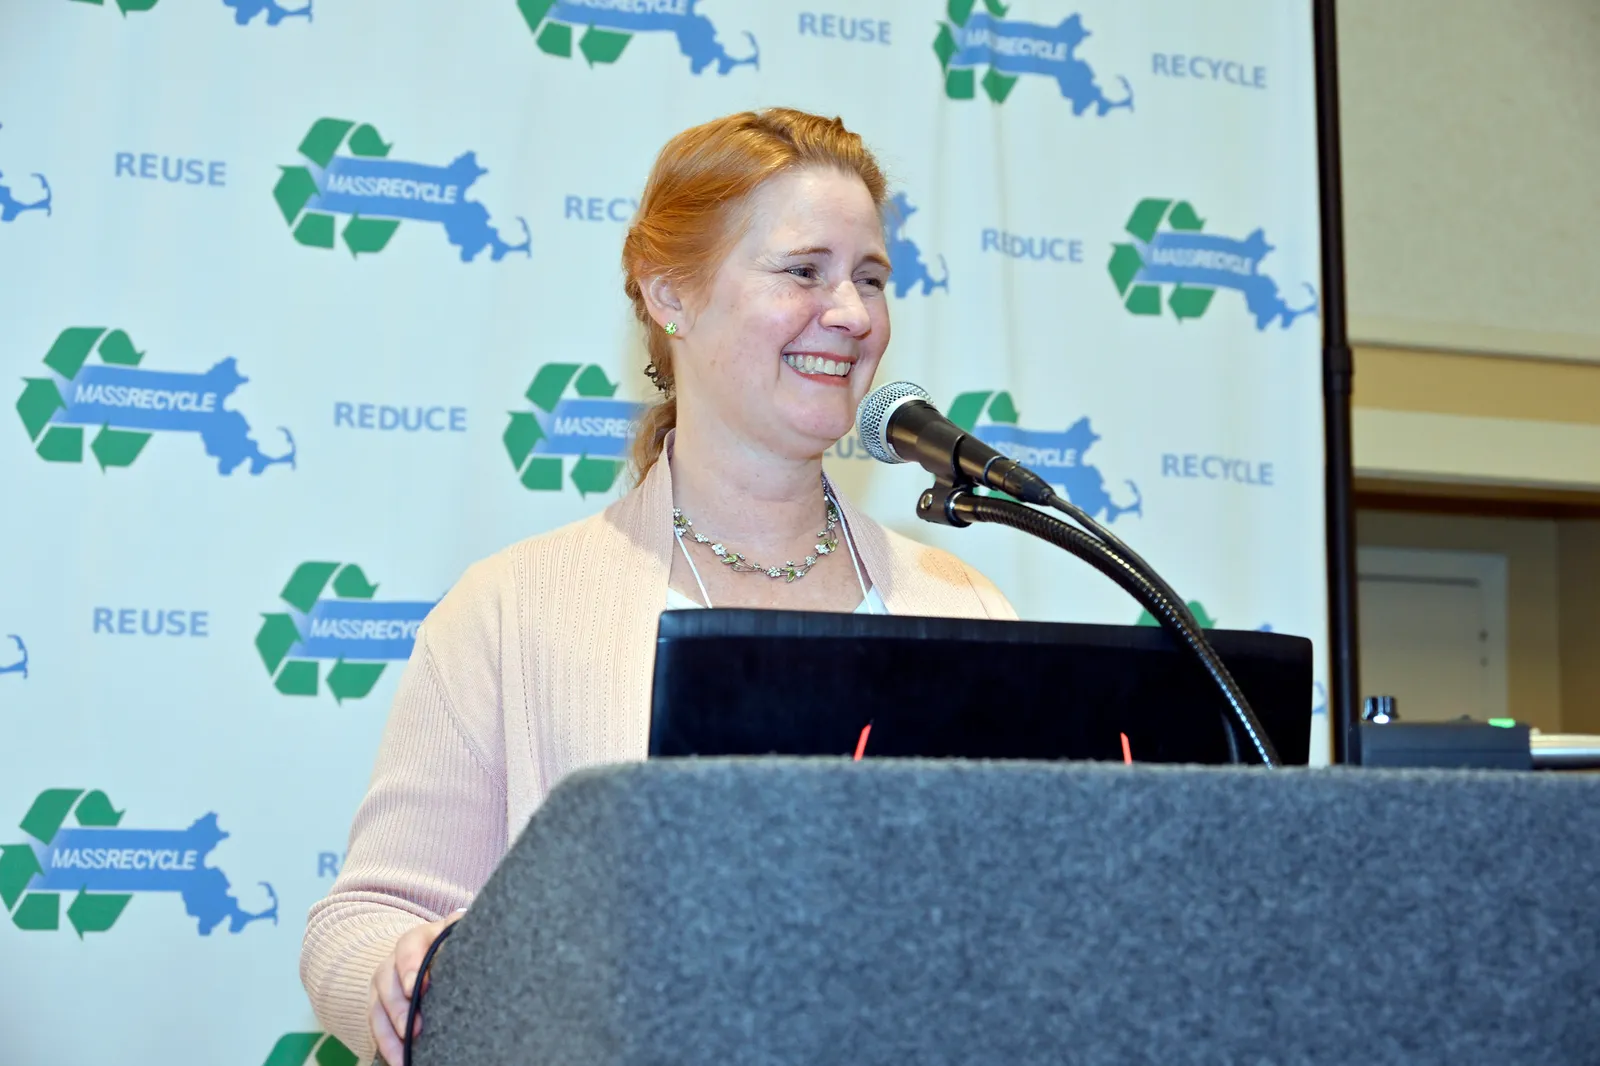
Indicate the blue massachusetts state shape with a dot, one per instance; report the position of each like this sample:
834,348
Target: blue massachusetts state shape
1058,457
21,665
373,187
1208,260
12,208
116,860
246,10
697,37
1013,47
126,397
905,259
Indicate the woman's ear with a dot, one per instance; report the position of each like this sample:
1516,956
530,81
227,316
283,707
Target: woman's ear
664,300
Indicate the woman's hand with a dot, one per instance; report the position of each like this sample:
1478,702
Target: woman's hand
392,982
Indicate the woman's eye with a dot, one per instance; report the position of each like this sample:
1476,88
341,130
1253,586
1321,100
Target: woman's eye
807,272
876,283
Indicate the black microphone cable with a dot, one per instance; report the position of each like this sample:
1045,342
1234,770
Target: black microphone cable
931,433
1116,544
416,991
972,507
1135,561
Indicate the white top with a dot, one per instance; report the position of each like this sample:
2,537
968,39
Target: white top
871,603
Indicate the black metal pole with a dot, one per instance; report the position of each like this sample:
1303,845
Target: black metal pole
1344,684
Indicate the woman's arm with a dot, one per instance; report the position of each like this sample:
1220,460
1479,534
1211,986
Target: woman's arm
426,837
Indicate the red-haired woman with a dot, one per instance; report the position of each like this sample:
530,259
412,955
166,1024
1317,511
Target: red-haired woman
757,265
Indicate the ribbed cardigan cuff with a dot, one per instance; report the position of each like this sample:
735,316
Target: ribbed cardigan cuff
338,960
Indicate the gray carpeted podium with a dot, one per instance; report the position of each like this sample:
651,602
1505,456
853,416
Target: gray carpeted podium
820,911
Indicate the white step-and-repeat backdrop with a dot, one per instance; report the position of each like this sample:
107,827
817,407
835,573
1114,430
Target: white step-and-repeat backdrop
295,302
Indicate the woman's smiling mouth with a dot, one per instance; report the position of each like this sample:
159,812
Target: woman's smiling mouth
819,365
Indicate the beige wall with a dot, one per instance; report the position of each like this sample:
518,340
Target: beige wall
1469,130
1471,136
1452,417
1579,576
1533,623
1478,386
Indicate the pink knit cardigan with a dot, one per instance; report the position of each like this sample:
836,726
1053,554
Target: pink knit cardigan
537,663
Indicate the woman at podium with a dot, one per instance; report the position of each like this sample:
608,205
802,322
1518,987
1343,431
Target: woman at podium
758,267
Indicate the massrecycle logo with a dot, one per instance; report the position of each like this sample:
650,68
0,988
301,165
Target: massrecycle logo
1055,455
1170,249
1010,49
310,1049
349,173
243,10
100,864
905,258
20,666
12,208
130,403
358,634
610,24
588,426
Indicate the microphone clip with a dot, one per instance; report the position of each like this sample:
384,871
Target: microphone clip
941,503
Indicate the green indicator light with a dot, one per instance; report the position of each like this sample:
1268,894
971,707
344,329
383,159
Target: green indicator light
1503,723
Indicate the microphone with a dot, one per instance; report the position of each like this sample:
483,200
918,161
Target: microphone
898,424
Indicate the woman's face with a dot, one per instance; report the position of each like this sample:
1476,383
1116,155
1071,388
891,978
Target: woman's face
786,338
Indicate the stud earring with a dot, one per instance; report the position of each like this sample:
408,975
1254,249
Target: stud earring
670,329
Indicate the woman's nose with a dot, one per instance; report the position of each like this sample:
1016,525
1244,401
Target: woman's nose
848,314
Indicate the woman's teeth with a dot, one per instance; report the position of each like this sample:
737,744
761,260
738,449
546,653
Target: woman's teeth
813,364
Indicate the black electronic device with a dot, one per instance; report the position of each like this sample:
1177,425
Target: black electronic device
748,682
1499,744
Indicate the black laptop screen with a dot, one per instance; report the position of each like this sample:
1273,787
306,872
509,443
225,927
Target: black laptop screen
747,682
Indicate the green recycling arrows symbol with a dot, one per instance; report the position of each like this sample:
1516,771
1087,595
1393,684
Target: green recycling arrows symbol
1196,608
968,409
299,677
296,187
89,912
961,84
555,38
41,399
1186,301
124,6
544,472
304,1049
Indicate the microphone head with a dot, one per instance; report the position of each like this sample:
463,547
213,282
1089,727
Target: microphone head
877,407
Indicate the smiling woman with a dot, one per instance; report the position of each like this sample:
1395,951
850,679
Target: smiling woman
757,265
728,206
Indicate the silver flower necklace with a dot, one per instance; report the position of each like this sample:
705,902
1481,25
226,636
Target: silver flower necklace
827,544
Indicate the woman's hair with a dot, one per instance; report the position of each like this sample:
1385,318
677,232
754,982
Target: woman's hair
691,216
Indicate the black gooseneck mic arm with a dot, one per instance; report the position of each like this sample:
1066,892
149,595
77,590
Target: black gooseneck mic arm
955,504
898,423
1174,601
